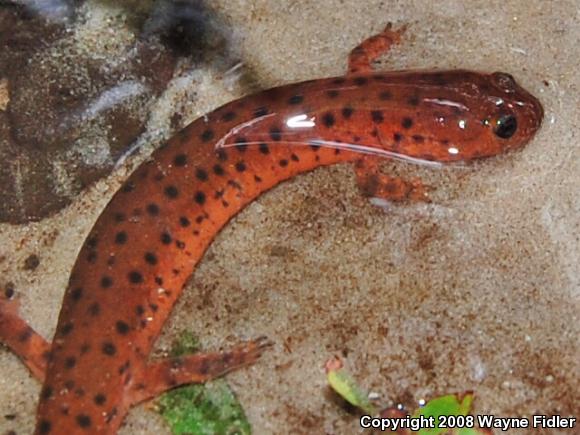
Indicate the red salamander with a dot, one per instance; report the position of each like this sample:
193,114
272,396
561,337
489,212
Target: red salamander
147,241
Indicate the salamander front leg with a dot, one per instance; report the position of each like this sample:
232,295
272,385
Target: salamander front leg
31,348
361,57
374,184
164,375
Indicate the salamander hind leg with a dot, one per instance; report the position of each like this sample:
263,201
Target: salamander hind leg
374,184
29,346
361,57
158,377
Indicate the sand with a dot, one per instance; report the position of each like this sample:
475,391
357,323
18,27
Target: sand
479,290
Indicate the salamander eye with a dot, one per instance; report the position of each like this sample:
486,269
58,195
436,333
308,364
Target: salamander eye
506,126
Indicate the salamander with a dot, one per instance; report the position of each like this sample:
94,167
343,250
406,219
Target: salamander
144,246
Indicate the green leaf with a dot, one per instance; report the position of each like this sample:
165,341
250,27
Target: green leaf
209,409
341,382
204,409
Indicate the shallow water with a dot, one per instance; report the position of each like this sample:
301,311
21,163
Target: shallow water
478,290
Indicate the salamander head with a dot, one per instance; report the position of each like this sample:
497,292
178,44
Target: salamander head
517,115
502,114
464,115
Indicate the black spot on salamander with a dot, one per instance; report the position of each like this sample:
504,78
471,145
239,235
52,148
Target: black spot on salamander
139,310
180,244
332,93
218,170
222,155
25,335
397,137
94,309
109,348
314,145
360,81
153,209
83,421
207,135
413,101
294,158
377,116
295,99
124,367
158,280
171,192
66,329
70,362
100,399
240,166
120,217
184,221
150,258
385,95
47,356
235,184
328,119
199,197
165,238
76,294
347,112
241,144
264,149
199,219
135,277
261,111
283,163
46,393
44,426
106,281
229,116
204,366
92,242
180,160
122,327
121,238
201,174
418,138
407,123
275,134
257,179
